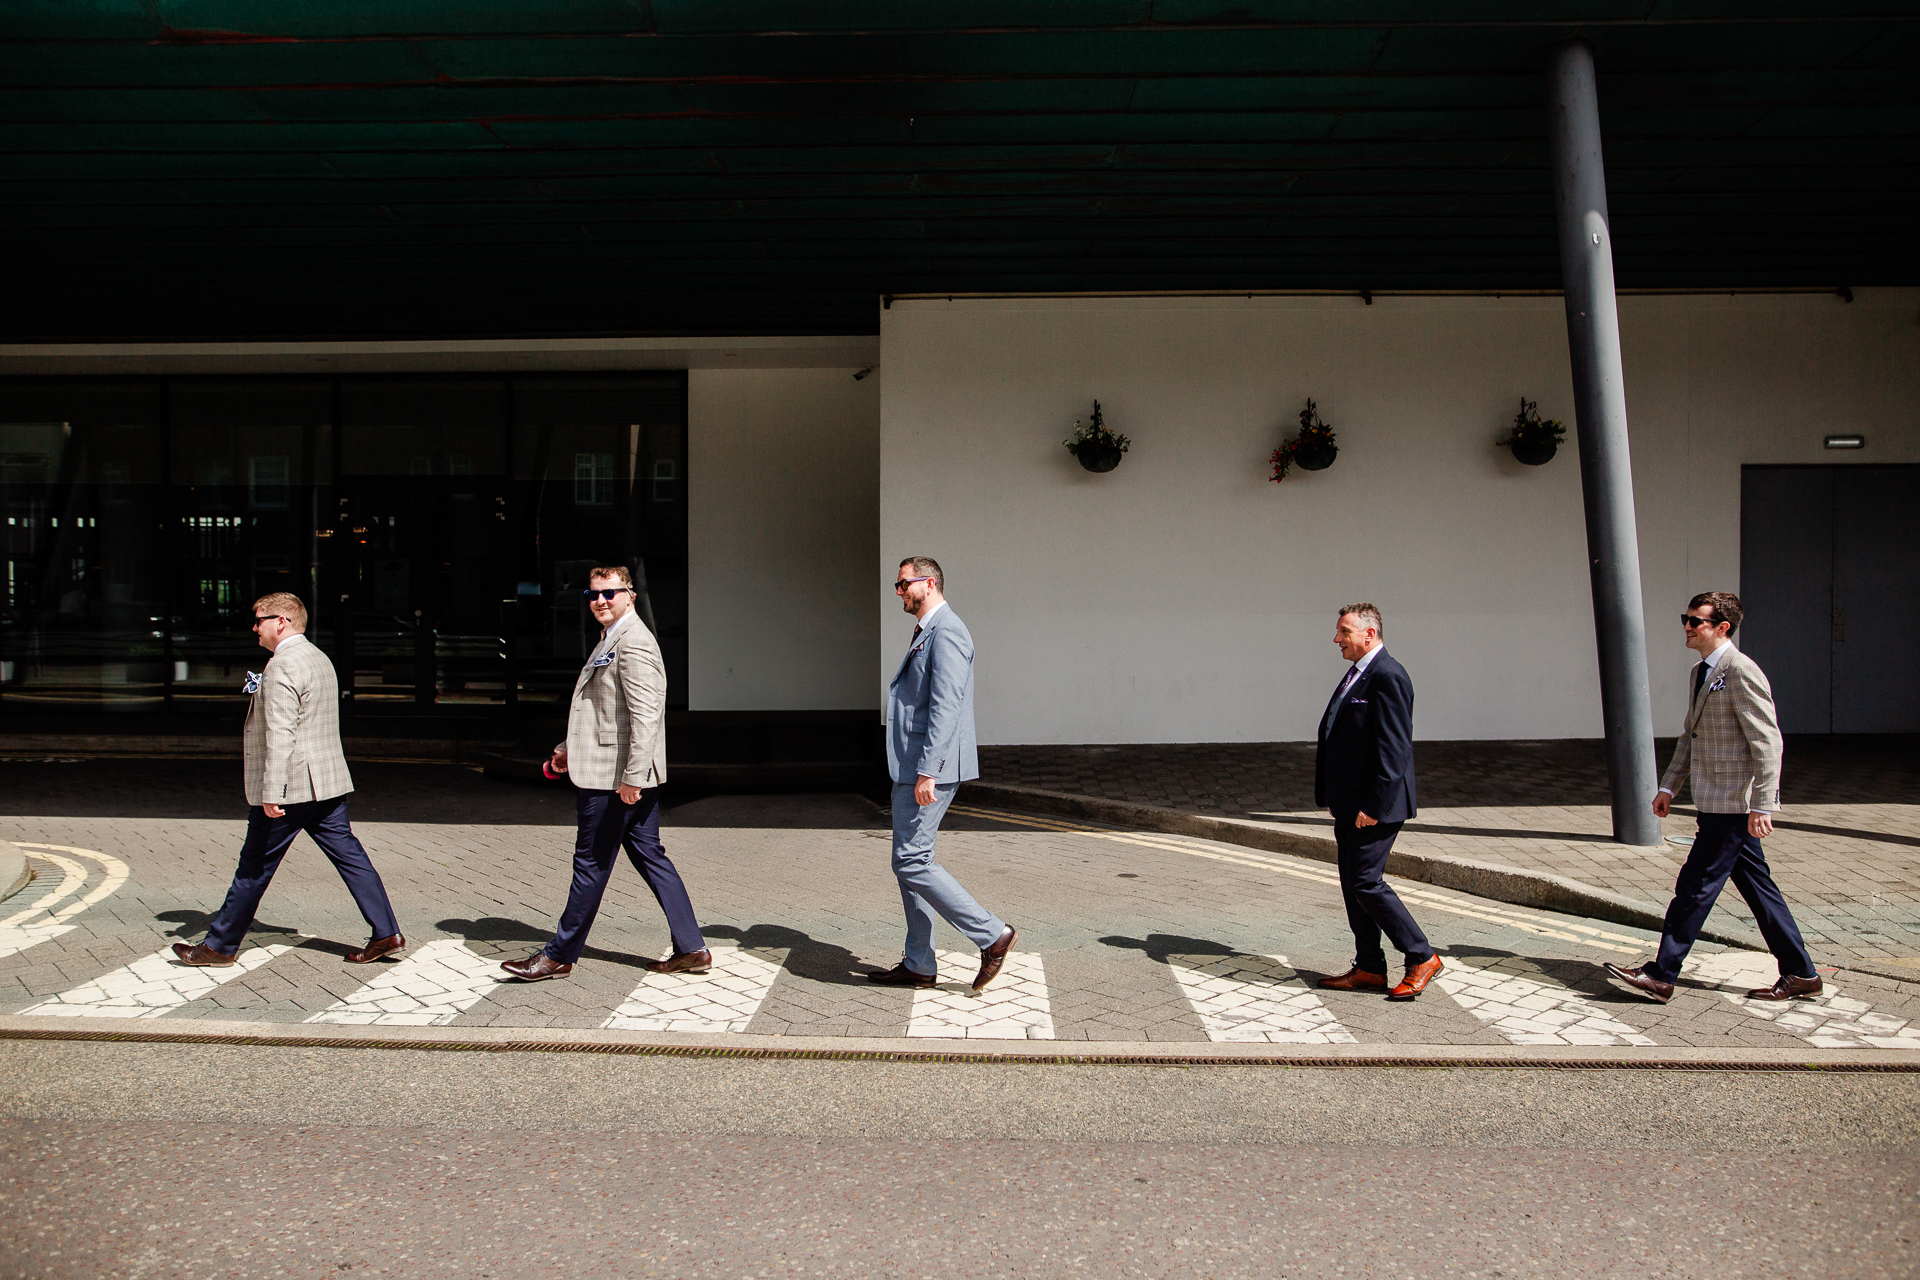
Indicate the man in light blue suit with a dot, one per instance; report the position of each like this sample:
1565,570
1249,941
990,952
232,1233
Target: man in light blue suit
930,752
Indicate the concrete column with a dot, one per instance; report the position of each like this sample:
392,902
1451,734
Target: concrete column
1600,412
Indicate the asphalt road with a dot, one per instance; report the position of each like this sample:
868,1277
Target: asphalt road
155,1160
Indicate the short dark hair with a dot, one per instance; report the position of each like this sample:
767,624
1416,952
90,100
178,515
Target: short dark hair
1368,614
619,571
927,567
1725,605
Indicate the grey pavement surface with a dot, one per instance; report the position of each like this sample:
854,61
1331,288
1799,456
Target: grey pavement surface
1846,850
166,1160
1127,936
156,1160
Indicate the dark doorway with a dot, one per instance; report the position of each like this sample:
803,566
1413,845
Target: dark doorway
1830,576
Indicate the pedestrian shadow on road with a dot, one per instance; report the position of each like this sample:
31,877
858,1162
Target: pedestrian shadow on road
1581,977
500,938
191,924
1162,947
807,957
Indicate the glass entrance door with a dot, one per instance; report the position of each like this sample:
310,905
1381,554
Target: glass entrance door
422,544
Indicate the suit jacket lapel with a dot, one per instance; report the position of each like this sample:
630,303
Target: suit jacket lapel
926,633
1718,671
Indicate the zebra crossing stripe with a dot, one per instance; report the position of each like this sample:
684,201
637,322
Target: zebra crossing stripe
150,987
1526,1008
1014,1006
1829,1020
1255,999
723,1000
430,987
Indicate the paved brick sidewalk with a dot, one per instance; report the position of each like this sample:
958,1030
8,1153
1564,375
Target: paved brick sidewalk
1846,852
1125,936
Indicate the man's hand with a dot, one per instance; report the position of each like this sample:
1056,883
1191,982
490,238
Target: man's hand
1759,825
629,795
273,811
923,791
559,761
1362,820
1662,804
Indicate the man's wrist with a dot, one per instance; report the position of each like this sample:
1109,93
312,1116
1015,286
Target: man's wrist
1666,791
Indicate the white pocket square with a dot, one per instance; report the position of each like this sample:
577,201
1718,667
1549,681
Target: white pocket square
1717,685
253,683
605,659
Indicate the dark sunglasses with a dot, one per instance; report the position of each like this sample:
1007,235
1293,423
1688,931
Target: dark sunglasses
1688,621
603,593
269,618
904,583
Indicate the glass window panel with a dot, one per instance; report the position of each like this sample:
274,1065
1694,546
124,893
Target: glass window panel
84,618
249,461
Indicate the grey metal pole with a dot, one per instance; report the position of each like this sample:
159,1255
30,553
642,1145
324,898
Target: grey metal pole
1600,412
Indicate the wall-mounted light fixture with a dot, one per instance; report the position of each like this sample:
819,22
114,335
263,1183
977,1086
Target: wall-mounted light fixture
1846,442
863,373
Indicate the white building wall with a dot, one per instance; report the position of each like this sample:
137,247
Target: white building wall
783,529
1183,597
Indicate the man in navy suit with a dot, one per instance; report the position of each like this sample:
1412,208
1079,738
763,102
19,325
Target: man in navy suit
930,751
1363,775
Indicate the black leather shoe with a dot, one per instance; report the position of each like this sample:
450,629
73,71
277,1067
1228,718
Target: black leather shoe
537,967
991,958
1637,978
378,949
901,976
1789,989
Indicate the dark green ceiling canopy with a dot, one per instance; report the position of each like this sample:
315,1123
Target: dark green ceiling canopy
347,168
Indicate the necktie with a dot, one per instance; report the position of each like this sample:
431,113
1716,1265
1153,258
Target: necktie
916,633
1699,678
1353,673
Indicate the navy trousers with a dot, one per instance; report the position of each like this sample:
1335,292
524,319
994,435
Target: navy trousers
1721,848
266,843
605,826
1373,908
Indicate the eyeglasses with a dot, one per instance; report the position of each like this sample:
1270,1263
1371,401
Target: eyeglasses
605,593
1688,621
269,618
904,583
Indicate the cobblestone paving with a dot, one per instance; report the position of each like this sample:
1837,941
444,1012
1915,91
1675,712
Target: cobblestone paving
1846,850
1117,928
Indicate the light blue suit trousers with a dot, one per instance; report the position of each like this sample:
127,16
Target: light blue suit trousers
927,887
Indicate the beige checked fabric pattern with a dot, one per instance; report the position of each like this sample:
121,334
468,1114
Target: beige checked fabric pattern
1731,741
617,724
291,745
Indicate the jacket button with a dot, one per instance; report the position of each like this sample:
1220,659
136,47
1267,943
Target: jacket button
1695,735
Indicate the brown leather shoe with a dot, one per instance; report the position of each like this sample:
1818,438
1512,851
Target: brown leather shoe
200,955
1638,978
376,949
991,958
682,962
1789,989
901,976
1356,979
537,968
1418,976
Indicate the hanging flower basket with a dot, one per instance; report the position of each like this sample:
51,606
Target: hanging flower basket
1533,440
1311,449
1096,448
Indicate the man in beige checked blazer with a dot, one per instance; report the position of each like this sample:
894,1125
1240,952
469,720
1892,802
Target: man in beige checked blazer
1730,745
296,780
616,755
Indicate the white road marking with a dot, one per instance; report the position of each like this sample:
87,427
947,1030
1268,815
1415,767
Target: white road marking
1829,1020
150,987
430,986
1526,1008
40,921
1014,1005
1544,926
1257,999
724,1000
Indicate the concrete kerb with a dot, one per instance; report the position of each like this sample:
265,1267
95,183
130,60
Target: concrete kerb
14,872
935,1051
1513,885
